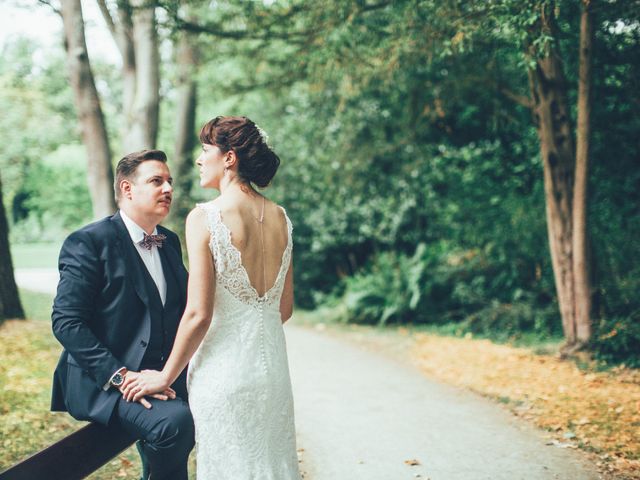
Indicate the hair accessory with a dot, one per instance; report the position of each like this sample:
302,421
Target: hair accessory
263,134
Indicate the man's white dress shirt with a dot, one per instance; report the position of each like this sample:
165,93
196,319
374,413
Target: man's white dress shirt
151,258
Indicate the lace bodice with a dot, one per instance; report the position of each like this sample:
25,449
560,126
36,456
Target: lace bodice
230,272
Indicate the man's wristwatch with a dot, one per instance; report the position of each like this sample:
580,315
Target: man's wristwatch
118,378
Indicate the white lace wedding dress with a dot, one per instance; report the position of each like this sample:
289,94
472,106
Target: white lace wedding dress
238,380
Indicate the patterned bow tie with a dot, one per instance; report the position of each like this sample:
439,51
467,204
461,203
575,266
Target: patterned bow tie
150,241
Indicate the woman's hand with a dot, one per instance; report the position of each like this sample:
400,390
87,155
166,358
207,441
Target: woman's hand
153,383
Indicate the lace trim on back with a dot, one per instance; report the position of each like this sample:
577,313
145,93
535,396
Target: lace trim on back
230,272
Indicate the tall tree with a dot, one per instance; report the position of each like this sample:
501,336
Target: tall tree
565,168
133,27
583,139
10,306
88,110
186,60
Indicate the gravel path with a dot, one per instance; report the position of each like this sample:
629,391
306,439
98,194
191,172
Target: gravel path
362,416
43,280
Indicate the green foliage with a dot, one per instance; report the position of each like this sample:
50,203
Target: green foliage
440,284
56,196
42,164
410,161
510,321
618,340
397,127
389,291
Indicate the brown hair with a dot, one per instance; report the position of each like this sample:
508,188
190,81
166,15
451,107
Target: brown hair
257,163
128,165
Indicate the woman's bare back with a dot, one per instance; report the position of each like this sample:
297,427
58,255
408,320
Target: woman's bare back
259,232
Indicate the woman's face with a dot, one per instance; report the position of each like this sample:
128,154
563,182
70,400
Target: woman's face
211,165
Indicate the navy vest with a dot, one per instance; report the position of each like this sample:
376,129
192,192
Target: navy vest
164,319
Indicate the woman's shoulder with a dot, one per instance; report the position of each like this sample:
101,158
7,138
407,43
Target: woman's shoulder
202,215
273,209
206,210
282,212
206,206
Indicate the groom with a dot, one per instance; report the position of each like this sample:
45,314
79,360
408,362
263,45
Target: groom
121,295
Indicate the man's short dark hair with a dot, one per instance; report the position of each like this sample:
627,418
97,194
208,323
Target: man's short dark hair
128,165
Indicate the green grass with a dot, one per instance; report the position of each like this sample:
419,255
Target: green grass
35,255
37,306
540,344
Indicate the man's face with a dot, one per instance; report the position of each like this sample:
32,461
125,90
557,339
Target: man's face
150,190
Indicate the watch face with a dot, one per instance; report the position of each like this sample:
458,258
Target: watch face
117,379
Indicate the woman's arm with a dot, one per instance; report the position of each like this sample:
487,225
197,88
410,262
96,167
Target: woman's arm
196,317
286,301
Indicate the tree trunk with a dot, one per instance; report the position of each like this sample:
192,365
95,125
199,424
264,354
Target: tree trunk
123,35
87,103
10,306
143,117
580,254
121,28
551,112
186,58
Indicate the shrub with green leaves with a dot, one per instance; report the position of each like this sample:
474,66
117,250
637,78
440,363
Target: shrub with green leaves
618,340
441,284
390,290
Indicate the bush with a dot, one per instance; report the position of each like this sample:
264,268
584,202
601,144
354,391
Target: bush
617,340
54,200
441,284
503,321
389,291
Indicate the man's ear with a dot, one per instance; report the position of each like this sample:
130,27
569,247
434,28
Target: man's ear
125,189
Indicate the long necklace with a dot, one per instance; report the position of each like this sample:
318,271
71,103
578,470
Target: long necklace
264,263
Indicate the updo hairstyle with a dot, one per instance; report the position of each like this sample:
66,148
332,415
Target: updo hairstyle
257,163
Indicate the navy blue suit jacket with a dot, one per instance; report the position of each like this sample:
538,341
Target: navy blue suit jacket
101,315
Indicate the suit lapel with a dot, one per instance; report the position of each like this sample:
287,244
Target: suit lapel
129,254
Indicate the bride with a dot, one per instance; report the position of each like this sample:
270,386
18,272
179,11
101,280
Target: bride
240,293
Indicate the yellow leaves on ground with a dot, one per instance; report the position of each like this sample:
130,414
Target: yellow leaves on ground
596,411
27,359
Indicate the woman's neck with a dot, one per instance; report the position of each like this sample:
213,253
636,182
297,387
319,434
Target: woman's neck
232,186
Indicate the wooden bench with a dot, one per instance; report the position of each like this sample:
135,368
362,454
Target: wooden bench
73,457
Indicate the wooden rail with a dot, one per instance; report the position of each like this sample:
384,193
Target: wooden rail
74,457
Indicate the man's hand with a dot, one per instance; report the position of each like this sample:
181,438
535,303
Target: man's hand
151,383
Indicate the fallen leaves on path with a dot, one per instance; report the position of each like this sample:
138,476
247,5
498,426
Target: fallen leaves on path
598,412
